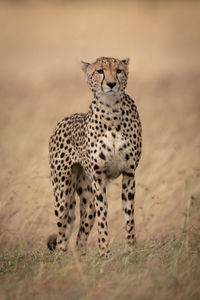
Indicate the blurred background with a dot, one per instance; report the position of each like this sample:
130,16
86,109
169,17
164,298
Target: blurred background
41,46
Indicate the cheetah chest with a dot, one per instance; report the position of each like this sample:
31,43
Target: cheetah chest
110,154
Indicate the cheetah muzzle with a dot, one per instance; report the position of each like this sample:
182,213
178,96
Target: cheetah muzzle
89,150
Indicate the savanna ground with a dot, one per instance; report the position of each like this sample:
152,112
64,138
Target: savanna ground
40,83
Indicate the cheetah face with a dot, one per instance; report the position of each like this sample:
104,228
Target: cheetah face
106,76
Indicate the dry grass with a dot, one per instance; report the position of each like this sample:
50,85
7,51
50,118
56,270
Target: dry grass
41,83
159,269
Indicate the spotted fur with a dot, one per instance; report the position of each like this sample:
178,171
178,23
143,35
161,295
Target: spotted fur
89,150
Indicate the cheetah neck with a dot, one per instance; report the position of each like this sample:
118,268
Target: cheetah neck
107,110
110,100
109,103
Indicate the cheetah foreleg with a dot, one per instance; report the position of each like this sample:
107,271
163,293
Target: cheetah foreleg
128,195
101,207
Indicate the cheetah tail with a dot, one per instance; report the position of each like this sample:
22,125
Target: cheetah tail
52,242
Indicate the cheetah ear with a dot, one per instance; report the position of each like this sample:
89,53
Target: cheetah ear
125,61
84,66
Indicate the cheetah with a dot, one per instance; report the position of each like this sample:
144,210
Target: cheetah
88,150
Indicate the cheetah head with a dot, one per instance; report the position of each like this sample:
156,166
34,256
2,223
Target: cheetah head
106,76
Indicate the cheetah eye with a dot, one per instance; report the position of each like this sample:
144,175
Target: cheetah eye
119,71
100,71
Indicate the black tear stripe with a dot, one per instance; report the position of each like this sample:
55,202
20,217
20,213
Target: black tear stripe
118,79
102,81
118,75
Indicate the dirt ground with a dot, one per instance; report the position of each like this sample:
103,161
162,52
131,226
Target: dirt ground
41,83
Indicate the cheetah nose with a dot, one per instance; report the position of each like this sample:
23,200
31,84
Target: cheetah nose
111,84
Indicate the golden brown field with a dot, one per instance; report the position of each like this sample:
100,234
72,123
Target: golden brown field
41,45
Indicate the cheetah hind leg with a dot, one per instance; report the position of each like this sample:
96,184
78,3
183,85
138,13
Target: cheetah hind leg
65,213
128,195
87,211
60,241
